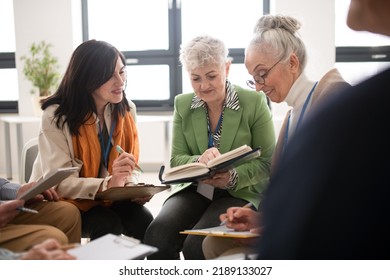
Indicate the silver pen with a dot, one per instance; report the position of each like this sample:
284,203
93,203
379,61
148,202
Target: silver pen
29,210
23,209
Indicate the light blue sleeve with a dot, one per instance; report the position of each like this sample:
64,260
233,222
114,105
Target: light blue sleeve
8,190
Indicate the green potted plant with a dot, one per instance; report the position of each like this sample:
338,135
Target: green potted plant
41,68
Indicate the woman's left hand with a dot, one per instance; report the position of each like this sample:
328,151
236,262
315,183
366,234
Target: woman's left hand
219,180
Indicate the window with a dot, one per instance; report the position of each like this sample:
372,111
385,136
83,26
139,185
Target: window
8,74
358,54
150,40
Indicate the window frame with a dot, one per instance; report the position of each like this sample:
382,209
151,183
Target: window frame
362,54
166,57
7,61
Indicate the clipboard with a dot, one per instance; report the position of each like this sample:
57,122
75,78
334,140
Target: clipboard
113,247
221,231
52,179
131,191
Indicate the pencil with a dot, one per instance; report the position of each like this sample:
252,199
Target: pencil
120,150
248,205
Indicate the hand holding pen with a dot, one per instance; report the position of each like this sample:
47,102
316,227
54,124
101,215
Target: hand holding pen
50,249
20,208
229,215
120,151
241,218
9,210
122,169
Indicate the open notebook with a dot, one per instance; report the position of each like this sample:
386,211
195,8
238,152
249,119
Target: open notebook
195,171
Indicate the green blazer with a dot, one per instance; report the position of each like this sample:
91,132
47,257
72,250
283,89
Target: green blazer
252,125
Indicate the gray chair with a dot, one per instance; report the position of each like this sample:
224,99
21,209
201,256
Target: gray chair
28,156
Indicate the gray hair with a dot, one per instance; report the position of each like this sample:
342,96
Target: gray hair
277,35
203,50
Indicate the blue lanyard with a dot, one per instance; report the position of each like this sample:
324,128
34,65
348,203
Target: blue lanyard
300,116
106,150
211,135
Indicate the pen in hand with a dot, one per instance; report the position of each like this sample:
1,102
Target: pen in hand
29,210
120,150
248,205
23,209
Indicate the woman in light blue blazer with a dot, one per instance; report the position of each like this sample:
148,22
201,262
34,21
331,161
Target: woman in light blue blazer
216,118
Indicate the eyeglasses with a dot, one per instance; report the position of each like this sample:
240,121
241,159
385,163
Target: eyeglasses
260,79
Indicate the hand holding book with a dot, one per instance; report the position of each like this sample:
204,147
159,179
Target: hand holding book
208,155
51,179
195,171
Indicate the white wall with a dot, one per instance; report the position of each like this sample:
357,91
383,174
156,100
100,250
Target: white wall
318,32
52,21
59,23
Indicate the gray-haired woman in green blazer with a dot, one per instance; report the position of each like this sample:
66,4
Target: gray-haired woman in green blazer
214,119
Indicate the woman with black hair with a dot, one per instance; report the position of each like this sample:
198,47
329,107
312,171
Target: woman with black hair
87,116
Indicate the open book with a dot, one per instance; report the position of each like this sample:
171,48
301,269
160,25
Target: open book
221,231
113,247
131,191
194,171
